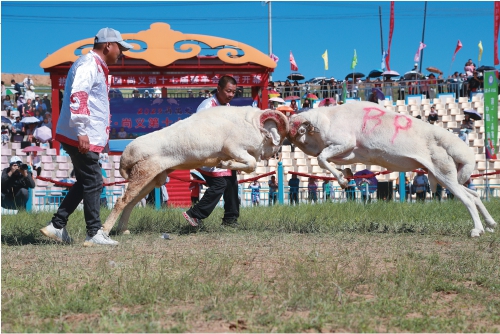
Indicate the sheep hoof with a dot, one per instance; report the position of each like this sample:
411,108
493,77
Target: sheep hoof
489,229
491,223
125,232
476,233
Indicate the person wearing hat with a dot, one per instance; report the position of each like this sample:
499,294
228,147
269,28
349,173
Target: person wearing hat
16,180
46,102
29,94
146,94
421,185
28,82
82,130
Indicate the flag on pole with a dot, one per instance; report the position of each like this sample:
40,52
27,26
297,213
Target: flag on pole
274,57
480,45
496,27
417,55
293,64
382,65
391,30
459,46
354,60
325,58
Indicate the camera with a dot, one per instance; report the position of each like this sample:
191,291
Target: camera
23,167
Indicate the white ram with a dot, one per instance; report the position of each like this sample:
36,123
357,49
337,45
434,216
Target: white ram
226,137
364,132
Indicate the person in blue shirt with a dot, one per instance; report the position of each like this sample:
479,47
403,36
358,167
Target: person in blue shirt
293,183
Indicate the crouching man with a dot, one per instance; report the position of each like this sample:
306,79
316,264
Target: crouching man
16,180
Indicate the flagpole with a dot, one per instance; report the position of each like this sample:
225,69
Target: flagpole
423,35
270,35
381,36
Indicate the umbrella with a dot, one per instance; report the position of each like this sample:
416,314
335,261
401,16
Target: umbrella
375,73
273,93
293,97
6,120
391,74
356,75
372,180
311,96
295,76
285,108
323,102
43,134
10,91
473,114
434,70
485,68
413,75
30,119
277,99
32,148
378,94
194,172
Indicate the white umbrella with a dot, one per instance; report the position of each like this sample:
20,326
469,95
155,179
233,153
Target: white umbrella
390,74
277,99
30,119
43,134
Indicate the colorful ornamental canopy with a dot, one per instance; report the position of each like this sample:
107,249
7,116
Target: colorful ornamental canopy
159,46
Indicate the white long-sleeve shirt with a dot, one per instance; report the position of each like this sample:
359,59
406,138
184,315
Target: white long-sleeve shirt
85,107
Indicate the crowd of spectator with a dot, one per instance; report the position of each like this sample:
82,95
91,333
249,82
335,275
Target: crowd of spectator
462,84
20,105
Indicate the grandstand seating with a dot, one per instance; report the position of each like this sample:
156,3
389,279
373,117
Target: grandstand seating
450,114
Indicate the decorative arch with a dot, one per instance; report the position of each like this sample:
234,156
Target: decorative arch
157,46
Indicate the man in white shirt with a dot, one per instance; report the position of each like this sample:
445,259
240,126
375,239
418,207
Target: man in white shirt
220,181
83,130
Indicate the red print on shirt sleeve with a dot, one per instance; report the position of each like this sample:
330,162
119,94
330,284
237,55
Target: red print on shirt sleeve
78,103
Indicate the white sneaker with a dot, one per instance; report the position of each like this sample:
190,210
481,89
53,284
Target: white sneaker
100,238
57,234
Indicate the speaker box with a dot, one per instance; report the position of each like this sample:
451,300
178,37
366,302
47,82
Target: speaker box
384,191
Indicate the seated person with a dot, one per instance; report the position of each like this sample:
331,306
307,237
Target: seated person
122,134
433,115
16,179
17,127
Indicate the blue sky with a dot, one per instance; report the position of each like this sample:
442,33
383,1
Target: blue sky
31,30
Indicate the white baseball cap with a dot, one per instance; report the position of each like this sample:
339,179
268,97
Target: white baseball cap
111,35
15,159
45,94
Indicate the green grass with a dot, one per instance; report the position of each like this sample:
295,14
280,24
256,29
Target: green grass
331,267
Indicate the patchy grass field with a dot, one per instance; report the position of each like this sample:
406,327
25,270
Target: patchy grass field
314,268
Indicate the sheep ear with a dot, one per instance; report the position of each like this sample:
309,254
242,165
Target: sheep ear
275,136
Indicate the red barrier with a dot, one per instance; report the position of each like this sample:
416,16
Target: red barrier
67,185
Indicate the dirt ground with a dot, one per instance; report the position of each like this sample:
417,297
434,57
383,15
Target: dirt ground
40,80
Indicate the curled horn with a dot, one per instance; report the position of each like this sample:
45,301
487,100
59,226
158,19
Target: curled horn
280,120
295,122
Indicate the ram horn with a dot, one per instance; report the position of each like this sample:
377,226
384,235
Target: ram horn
280,120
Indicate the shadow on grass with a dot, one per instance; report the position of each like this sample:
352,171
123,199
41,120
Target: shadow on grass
23,239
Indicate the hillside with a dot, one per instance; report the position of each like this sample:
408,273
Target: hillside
40,80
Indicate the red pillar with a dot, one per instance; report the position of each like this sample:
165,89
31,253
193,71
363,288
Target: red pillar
55,111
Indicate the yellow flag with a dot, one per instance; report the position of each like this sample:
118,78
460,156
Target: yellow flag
325,58
480,50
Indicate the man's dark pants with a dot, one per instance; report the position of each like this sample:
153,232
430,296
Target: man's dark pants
17,202
88,186
218,186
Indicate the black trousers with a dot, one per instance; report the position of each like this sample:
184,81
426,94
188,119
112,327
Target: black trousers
88,186
217,187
